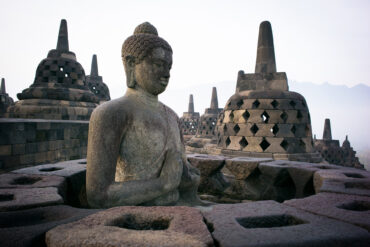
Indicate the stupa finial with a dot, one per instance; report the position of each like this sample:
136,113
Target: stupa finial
94,66
2,88
265,62
62,44
191,104
214,100
327,130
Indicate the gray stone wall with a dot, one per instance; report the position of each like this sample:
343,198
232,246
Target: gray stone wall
25,142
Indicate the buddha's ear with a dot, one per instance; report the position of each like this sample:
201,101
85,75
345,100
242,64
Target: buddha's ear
130,71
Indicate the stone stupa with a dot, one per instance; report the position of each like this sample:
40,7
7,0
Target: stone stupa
332,152
263,118
5,99
207,122
59,90
189,120
95,82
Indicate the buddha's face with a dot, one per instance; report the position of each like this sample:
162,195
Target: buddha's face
153,73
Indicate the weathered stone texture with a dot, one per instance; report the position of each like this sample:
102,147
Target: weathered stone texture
344,207
268,223
25,142
134,226
340,180
212,181
136,154
28,227
16,199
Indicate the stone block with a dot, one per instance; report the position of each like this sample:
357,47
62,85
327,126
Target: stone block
253,144
12,180
348,208
268,223
43,125
211,178
10,161
27,159
134,226
18,149
17,199
40,157
28,227
64,169
345,180
264,130
73,170
5,150
300,173
31,148
42,146
242,167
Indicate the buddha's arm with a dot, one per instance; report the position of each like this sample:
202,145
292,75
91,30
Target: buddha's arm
135,192
105,131
105,134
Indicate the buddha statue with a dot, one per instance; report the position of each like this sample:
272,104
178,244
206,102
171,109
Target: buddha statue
135,150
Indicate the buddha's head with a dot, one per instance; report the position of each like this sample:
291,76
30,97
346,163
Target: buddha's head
147,59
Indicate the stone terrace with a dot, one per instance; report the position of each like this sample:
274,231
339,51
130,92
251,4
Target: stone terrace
274,203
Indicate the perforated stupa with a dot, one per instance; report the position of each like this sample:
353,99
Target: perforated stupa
59,90
95,82
263,118
207,122
189,120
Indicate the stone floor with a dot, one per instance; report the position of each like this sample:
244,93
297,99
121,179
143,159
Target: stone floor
270,203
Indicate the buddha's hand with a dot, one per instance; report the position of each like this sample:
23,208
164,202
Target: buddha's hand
171,170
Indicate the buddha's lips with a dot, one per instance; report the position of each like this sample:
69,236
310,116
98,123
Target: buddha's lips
164,81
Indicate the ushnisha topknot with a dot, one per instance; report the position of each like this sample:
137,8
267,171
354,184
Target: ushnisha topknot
144,39
146,27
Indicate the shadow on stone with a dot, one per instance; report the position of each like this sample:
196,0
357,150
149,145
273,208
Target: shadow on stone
284,187
357,185
309,188
355,206
353,175
136,222
25,180
269,221
51,169
6,197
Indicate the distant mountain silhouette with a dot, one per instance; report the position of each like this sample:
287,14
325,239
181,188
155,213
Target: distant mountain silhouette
347,108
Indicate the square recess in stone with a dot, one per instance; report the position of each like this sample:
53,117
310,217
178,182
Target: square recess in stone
349,208
268,223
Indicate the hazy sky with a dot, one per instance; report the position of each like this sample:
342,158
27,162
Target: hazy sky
315,41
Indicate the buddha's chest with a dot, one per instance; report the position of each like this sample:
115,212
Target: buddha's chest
144,144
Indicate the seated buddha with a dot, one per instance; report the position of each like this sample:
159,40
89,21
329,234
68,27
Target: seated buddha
135,152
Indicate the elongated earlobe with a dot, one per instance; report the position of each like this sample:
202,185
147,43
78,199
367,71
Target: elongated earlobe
130,71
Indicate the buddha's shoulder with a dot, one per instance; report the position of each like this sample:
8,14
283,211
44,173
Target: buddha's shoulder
112,109
170,112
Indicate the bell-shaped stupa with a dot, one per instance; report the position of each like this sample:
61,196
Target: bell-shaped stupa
189,120
207,122
332,152
263,118
95,82
59,90
5,99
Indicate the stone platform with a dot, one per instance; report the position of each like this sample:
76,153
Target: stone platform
313,205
